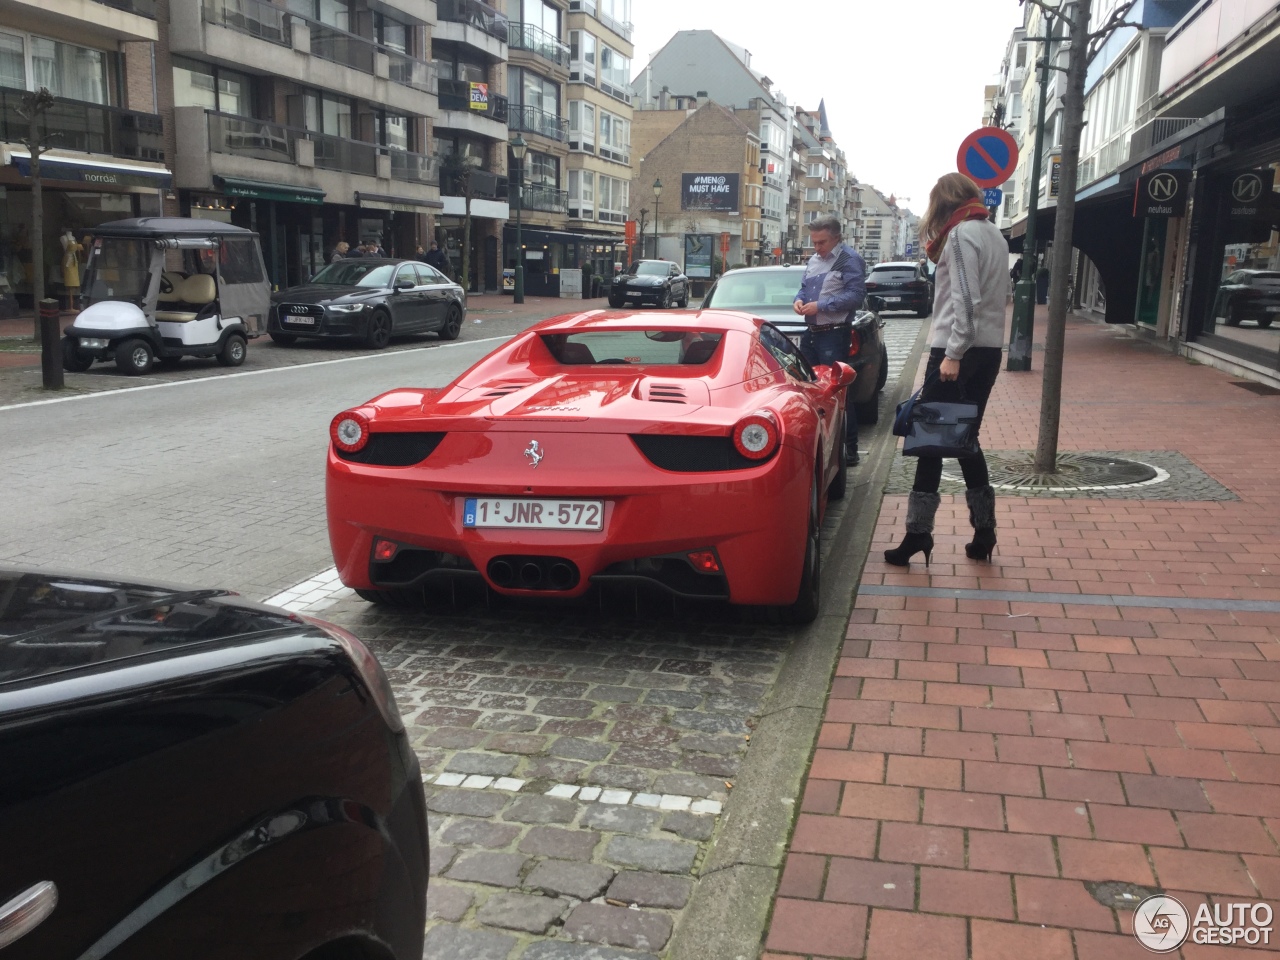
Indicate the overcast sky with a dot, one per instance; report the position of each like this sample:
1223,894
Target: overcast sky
902,80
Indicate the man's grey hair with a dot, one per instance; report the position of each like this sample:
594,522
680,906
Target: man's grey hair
827,223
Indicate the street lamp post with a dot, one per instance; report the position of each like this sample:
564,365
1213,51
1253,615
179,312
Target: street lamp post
518,150
657,192
1024,302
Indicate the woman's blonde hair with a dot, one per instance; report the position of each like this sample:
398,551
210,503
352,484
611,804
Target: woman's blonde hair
949,194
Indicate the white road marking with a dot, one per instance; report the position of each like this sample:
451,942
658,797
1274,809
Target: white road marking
567,791
242,373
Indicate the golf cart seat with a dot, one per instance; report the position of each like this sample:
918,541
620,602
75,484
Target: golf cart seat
170,281
193,294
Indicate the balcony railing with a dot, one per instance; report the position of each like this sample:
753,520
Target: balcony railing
143,8
260,140
474,13
526,36
484,186
456,95
540,196
266,21
88,127
534,120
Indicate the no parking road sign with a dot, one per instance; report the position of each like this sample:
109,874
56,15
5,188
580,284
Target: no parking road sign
988,156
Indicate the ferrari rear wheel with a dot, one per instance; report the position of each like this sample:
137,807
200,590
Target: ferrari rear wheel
809,599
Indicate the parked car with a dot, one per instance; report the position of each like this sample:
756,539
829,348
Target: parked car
372,299
659,282
769,292
137,310
694,453
190,774
1252,295
902,285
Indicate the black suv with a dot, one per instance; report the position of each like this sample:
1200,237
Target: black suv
660,282
1249,295
902,286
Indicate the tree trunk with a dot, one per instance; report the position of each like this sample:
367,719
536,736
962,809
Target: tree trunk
1077,34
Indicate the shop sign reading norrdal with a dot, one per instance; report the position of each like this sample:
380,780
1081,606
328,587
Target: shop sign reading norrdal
709,191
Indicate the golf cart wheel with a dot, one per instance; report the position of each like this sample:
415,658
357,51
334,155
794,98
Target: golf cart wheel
72,360
233,351
452,324
135,357
284,339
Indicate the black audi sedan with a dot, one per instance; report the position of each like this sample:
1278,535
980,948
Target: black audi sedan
188,774
371,299
770,292
659,282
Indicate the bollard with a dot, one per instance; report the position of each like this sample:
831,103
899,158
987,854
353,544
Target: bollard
51,344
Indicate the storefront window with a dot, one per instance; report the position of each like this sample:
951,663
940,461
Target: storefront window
13,70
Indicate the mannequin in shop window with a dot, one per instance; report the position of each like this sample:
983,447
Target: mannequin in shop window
71,249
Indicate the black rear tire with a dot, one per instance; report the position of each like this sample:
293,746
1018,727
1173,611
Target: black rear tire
452,324
233,351
684,301
135,357
72,360
809,599
884,368
664,302
1265,322
617,302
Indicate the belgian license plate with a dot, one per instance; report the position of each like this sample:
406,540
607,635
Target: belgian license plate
795,338
305,321
533,514
1273,309
892,299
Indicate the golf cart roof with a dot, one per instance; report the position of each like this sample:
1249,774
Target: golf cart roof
160,228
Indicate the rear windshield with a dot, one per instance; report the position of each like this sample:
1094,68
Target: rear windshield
353,273
664,347
736,291
894,273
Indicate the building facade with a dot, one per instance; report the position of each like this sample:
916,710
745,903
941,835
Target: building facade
112,149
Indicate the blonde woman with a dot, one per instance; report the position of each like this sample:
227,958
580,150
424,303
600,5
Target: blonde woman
971,287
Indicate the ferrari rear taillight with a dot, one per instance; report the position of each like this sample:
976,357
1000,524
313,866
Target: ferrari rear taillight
704,561
855,343
384,550
350,431
756,435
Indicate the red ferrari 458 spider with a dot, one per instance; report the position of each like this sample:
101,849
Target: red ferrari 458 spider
695,452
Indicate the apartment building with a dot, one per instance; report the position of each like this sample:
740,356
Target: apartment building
600,131
112,150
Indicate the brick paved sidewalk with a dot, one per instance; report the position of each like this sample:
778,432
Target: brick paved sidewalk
984,758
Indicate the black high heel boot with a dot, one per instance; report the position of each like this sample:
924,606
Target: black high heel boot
921,508
982,514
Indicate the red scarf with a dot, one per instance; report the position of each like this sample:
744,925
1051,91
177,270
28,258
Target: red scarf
973,210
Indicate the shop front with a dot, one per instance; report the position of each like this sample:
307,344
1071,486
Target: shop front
547,252
76,196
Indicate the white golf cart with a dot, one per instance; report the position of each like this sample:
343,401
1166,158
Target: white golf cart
163,288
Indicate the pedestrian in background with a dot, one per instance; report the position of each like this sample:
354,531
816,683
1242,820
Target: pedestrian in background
965,352
340,250
436,258
831,292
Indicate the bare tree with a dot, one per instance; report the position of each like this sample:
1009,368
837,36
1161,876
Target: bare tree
641,223
1082,46
33,107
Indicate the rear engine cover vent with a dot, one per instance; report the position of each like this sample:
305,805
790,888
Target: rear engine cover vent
503,389
667,393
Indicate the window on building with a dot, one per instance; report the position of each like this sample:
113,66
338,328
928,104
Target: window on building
582,56
615,137
540,14
617,10
613,199
454,64
327,114
66,69
332,13
542,168
198,84
473,148
582,194
392,34
531,90
1020,55
582,126
395,131
615,71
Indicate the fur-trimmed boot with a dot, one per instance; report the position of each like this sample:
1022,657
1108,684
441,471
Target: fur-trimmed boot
982,514
921,508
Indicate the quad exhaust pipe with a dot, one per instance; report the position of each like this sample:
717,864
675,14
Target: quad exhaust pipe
533,573
502,573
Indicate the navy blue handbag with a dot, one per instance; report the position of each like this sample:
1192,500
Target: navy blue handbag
937,428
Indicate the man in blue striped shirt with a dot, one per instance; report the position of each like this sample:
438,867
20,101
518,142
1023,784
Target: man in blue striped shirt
831,293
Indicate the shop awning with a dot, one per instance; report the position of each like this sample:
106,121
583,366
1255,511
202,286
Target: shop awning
97,172
376,201
264,190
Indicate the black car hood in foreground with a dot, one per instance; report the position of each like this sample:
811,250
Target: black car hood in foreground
321,292
51,624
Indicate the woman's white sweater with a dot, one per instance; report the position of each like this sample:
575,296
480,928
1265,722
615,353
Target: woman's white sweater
971,288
